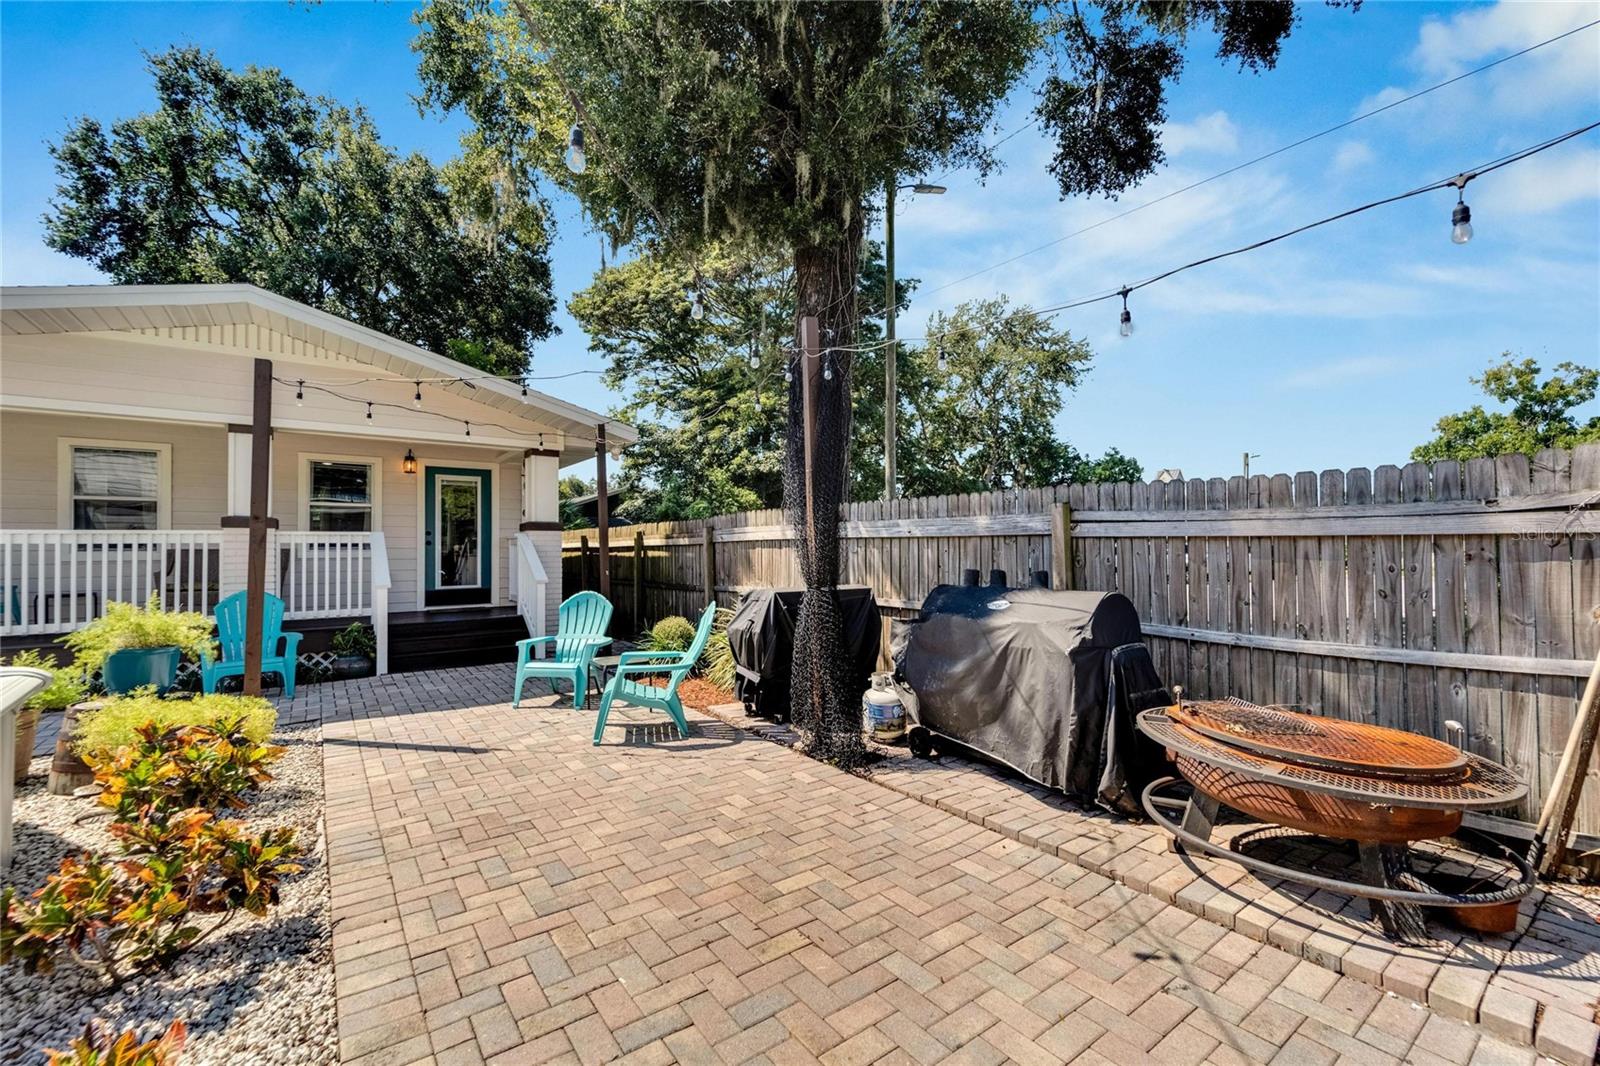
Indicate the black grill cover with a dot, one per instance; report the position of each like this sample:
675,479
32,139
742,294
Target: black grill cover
1046,682
761,634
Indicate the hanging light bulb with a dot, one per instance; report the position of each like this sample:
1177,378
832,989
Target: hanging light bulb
758,399
369,410
524,390
300,394
755,361
1126,326
788,374
469,428
416,401
943,362
577,162
827,365
1461,218
697,310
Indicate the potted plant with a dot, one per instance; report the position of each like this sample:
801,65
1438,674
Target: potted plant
354,649
64,690
135,647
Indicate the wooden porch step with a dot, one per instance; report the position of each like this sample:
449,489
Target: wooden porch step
463,636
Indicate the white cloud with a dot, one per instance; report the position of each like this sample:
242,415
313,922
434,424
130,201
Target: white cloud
1208,133
1567,71
1341,371
1353,155
1546,182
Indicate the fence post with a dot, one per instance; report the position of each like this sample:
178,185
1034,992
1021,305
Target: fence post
711,564
638,581
1061,546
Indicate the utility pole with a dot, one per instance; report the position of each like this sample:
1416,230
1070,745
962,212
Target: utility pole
891,388
1247,458
891,399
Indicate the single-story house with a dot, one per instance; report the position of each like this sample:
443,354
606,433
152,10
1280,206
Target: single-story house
400,487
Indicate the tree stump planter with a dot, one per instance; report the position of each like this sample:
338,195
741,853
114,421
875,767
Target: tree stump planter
67,771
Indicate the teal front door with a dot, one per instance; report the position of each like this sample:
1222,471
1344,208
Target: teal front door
456,537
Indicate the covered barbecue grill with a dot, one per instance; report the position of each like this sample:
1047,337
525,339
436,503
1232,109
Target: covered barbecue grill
1043,681
761,635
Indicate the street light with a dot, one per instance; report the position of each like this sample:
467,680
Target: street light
889,383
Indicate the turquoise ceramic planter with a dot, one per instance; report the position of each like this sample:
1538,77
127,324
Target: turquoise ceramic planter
133,668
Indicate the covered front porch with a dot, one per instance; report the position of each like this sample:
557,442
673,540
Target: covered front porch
189,442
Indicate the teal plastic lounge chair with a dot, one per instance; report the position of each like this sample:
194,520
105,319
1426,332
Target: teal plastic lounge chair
230,633
626,686
581,626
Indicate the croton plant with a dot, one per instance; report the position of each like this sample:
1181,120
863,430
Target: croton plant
178,860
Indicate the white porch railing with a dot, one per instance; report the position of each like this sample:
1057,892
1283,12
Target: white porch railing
54,581
528,581
324,575
332,575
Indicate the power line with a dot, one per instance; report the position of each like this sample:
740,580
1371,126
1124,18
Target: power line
1262,158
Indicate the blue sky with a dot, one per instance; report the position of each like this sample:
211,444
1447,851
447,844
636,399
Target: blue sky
1337,348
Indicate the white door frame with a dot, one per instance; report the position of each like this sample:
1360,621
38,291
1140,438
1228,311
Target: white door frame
493,470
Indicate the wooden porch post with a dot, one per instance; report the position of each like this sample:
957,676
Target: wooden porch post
256,567
602,510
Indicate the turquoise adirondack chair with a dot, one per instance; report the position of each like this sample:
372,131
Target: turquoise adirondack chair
581,626
230,633
636,664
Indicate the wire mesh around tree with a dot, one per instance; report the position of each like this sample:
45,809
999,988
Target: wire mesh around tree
822,705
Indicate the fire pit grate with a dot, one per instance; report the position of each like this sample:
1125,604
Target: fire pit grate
1479,784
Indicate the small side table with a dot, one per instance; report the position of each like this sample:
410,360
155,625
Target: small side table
601,667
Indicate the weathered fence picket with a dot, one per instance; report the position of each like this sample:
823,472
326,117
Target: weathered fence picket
1407,596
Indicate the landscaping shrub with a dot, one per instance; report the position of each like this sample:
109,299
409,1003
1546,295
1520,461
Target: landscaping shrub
127,625
717,664
116,724
672,633
99,1046
177,860
355,639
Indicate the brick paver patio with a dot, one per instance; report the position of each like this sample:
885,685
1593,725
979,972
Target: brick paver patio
503,891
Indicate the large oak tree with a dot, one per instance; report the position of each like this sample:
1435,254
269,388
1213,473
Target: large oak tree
238,176
776,122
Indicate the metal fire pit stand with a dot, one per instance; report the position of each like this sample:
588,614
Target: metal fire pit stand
1394,893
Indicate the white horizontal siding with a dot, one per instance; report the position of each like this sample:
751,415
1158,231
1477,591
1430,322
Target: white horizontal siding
29,477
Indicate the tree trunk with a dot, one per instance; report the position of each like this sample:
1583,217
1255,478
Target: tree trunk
822,705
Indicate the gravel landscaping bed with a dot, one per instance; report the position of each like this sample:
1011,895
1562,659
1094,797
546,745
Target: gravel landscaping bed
259,991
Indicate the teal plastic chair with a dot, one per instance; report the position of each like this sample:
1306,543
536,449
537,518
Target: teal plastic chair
581,626
636,664
230,615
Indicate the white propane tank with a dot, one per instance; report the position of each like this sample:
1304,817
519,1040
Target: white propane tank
883,714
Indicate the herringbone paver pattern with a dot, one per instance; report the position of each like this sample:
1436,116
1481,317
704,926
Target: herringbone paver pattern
504,892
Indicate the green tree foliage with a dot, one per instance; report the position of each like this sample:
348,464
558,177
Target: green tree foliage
706,448
774,124
1540,413
238,176
569,489
986,423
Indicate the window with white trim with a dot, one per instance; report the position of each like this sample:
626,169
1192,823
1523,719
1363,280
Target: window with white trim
115,487
340,497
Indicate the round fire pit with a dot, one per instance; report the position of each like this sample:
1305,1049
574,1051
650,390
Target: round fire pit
1380,788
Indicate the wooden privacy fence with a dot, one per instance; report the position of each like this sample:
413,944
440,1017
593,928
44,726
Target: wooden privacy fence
1406,596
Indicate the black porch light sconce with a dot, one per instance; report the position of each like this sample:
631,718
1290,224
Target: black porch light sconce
409,463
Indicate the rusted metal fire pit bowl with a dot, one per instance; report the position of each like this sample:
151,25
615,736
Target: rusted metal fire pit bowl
1381,788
